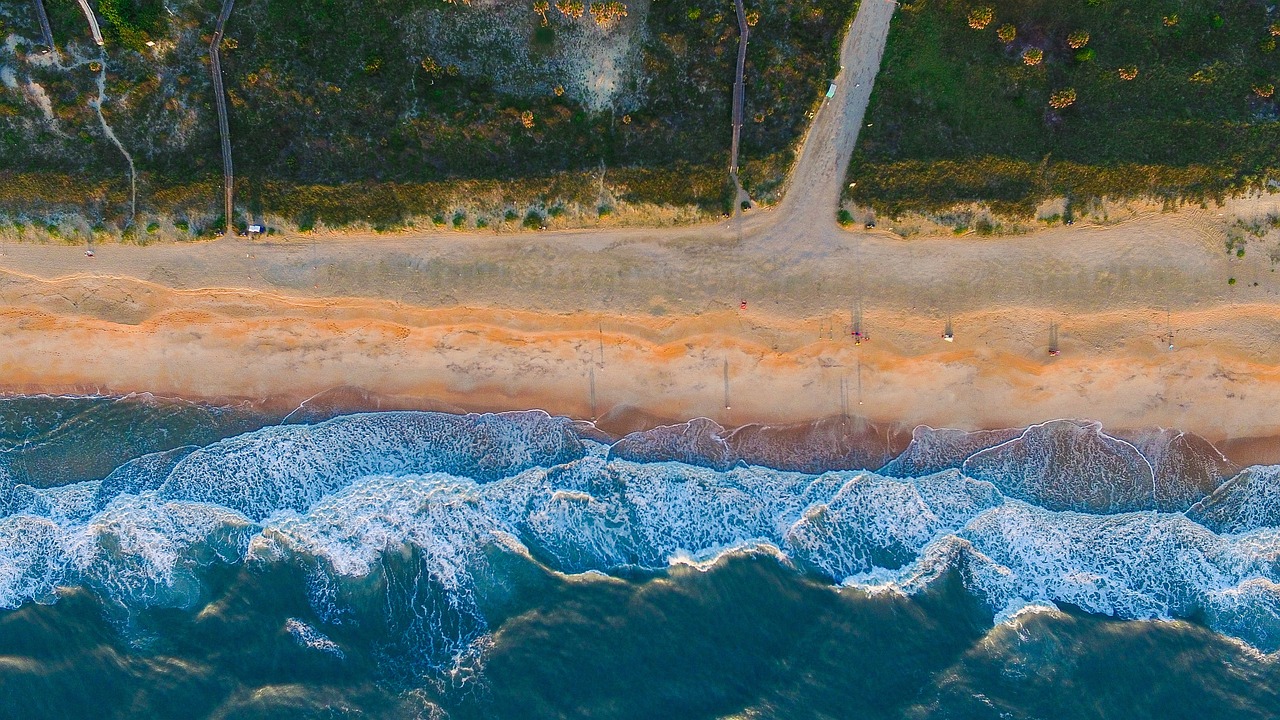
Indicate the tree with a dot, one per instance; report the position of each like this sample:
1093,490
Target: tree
605,13
1007,33
1062,99
981,17
1033,56
541,7
571,8
1078,39
1128,73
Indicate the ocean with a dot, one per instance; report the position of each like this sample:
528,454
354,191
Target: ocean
167,559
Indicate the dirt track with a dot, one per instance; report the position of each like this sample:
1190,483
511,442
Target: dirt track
817,179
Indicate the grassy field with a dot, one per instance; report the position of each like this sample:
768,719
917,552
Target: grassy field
336,105
1161,98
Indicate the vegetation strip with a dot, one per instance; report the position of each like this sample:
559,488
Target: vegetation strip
1009,104
411,94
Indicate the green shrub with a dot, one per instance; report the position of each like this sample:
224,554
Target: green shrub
132,22
1012,188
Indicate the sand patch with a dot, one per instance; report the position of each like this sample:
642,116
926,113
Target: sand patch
499,41
36,92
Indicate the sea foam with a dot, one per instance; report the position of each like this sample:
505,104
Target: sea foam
414,521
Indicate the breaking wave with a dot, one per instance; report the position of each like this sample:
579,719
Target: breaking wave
420,524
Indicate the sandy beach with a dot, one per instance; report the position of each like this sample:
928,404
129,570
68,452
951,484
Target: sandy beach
584,324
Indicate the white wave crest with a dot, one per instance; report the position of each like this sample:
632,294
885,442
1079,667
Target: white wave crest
430,517
1068,465
294,466
876,522
1248,501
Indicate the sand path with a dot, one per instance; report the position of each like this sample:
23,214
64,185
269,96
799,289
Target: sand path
814,188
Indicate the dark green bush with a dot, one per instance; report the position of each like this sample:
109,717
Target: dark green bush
132,22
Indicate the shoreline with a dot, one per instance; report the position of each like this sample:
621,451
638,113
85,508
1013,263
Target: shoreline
622,420
380,356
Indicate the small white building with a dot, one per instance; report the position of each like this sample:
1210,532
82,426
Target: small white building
255,229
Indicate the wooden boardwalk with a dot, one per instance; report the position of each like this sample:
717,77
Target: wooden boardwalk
93,22
220,100
739,90
43,17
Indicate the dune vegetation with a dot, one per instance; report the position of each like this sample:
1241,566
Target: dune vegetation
1012,102
391,111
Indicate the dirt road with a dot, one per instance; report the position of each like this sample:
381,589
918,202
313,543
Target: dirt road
813,190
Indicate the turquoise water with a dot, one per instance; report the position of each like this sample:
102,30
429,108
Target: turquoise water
168,559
